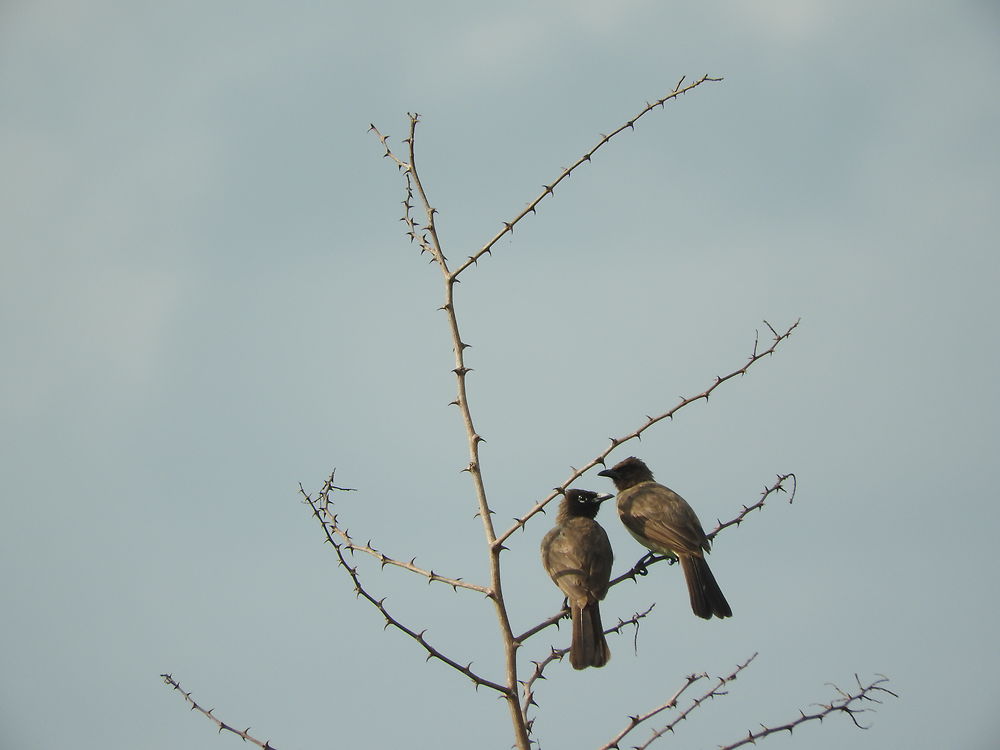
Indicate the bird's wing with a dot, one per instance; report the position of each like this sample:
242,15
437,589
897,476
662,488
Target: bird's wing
581,576
598,566
663,517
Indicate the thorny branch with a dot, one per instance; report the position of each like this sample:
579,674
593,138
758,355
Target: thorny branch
755,357
317,506
778,486
425,233
548,190
243,734
330,523
558,653
843,704
713,692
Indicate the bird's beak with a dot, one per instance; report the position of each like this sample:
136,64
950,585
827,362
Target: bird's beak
602,498
609,473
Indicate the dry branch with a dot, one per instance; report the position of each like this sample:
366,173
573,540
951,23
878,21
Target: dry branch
558,653
845,704
508,226
359,589
243,734
424,232
330,522
755,357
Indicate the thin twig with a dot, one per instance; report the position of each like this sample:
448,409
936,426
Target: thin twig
329,519
842,704
558,653
713,692
379,604
778,486
548,190
243,734
755,357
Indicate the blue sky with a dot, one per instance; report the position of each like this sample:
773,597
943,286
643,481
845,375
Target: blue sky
207,299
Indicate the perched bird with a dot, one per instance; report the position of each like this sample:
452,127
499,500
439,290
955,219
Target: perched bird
661,520
577,556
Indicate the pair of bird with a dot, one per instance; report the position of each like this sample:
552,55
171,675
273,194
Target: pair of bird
577,555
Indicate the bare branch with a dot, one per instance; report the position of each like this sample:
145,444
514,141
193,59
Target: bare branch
430,241
508,226
558,653
430,575
755,357
715,691
548,622
778,486
845,704
379,604
243,734
329,520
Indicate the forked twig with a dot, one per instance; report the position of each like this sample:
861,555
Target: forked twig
330,522
713,692
379,604
842,704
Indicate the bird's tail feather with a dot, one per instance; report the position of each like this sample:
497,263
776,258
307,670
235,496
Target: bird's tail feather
588,647
706,596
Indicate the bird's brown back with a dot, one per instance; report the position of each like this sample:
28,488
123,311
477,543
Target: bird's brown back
577,555
652,511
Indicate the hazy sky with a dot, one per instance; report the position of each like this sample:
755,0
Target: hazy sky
207,299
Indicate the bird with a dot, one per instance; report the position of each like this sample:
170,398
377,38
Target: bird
662,521
577,555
